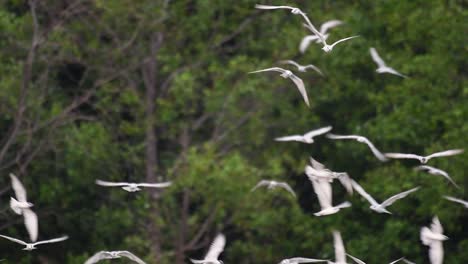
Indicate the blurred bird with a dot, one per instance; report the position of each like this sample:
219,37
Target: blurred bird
424,159
302,68
288,74
380,208
435,171
318,171
307,137
113,255
300,260
355,259
213,253
22,207
360,139
340,253
460,201
133,187
323,30
323,190
274,184
433,238
31,246
383,68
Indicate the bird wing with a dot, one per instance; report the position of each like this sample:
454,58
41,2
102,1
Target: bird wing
290,62
14,240
340,252
287,187
317,165
300,86
131,256
408,262
98,257
363,193
290,138
342,40
323,191
305,42
356,259
395,72
155,185
276,69
329,24
446,153
436,252
19,189
377,59
402,156
374,150
314,30
31,223
111,184
395,261
345,180
399,196
334,136
453,199
436,226
436,171
305,260
260,184
317,132
315,68
54,240
268,7
216,247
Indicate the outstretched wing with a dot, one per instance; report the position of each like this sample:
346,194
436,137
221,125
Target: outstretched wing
342,40
363,193
436,171
276,69
329,24
377,59
31,223
216,247
131,256
155,185
300,86
356,259
340,252
290,138
446,153
305,260
305,43
14,240
315,68
287,187
436,226
322,189
453,199
269,7
399,196
317,132
18,187
260,184
374,150
317,165
55,240
334,136
111,184
98,257
291,62
402,156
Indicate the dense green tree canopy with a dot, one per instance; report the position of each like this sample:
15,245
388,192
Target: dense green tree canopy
158,90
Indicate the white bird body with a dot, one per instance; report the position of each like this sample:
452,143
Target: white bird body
274,184
133,187
32,246
382,67
323,30
213,253
424,159
101,255
433,238
363,140
18,206
302,68
22,207
289,75
381,207
460,201
300,260
307,137
435,171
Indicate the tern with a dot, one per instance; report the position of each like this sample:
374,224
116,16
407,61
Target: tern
323,30
31,246
327,48
340,253
133,187
113,255
323,190
300,260
433,238
288,74
460,201
424,159
318,171
307,137
302,68
213,253
22,206
383,68
381,208
274,184
435,171
360,139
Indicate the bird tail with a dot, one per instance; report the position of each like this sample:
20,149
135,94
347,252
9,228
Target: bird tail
14,205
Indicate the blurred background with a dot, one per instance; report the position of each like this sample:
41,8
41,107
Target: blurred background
148,91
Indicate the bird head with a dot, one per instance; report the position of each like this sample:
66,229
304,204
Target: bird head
286,74
423,160
327,48
296,11
29,247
